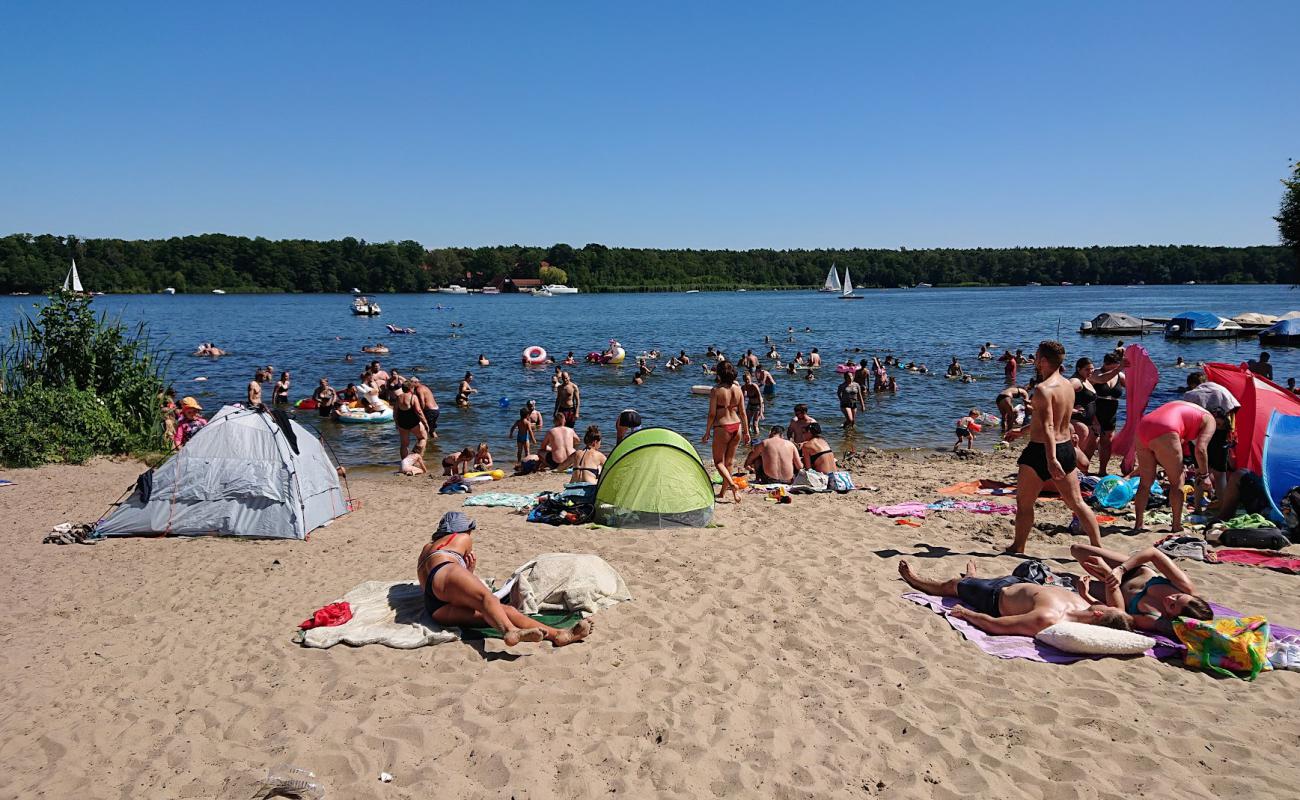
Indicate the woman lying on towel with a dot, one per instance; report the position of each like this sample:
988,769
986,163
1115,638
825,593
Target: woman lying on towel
455,597
1152,588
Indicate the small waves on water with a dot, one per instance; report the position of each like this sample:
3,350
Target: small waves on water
310,335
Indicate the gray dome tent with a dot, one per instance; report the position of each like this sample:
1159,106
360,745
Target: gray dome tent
241,475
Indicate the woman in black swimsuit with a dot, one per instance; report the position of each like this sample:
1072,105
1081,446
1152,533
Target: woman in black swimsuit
588,462
1109,385
1085,401
454,596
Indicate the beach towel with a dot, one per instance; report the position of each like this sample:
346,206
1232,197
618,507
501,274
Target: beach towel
1193,547
909,509
501,500
1028,648
1270,559
560,621
390,613
1140,379
981,486
975,507
4,483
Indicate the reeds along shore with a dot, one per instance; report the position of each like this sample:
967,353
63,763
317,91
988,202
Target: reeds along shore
768,657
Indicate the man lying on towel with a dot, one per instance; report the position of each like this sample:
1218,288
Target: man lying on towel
1011,605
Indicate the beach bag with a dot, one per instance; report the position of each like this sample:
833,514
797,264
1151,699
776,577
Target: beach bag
807,481
840,482
1040,573
1234,647
1252,496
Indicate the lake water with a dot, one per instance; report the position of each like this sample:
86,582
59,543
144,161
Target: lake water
310,334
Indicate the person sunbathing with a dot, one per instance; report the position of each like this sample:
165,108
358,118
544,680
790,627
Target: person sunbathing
454,596
1152,589
1010,605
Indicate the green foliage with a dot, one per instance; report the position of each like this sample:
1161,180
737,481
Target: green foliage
202,263
49,426
551,275
1288,217
76,385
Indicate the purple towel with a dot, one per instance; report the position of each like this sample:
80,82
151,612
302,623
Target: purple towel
1030,648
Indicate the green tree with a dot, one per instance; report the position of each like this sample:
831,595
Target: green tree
1288,217
550,274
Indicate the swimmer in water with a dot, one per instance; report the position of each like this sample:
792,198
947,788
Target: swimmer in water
483,360
1180,363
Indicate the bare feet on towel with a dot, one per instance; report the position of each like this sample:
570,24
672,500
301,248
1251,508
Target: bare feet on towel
573,635
514,637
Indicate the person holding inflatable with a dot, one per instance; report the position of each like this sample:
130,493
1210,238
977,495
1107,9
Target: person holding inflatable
967,427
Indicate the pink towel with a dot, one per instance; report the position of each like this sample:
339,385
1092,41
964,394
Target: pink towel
911,509
1140,379
1260,558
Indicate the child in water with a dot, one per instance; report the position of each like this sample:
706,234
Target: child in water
966,428
523,433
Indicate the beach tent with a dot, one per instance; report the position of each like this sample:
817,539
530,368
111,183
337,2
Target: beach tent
1259,398
1281,458
654,479
1282,332
241,475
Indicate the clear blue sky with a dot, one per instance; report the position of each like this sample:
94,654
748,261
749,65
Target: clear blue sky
658,124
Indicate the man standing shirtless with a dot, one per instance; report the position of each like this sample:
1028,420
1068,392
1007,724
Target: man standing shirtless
1013,606
429,407
568,399
1049,456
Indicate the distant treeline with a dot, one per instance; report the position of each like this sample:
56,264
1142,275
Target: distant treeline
234,263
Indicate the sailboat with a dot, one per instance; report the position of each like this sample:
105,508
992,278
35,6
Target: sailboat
832,281
72,283
847,292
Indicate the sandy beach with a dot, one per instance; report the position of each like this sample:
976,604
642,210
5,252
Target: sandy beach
769,657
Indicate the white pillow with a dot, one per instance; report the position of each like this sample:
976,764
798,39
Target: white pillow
1094,640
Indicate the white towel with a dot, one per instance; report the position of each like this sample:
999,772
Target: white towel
390,613
567,582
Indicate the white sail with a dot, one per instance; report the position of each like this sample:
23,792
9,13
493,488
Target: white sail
848,283
832,280
72,283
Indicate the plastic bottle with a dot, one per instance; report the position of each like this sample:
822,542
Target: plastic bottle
291,781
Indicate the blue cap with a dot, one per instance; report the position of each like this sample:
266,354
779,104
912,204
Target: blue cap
455,522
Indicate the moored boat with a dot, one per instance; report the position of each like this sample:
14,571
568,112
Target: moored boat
365,307
1202,325
454,288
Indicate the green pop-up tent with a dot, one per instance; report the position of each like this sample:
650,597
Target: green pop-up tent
654,479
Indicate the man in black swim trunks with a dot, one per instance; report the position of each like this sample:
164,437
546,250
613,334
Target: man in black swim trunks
1014,606
1049,456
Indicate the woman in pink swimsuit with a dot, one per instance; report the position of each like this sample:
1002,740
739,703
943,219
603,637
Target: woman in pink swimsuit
1161,436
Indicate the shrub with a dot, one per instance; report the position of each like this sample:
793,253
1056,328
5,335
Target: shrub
76,385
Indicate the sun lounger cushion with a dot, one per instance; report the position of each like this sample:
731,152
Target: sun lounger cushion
1078,637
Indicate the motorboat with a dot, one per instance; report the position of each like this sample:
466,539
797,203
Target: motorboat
491,290
218,291
1033,283
1115,323
1202,325
355,290
559,288
542,292
453,289
832,285
365,307
1284,332
924,286
169,290
692,291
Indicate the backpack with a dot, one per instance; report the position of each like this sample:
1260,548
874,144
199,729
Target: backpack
1226,646
840,482
1252,495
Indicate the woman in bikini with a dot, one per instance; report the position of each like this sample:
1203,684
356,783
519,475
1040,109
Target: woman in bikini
588,462
1152,589
727,420
817,454
454,596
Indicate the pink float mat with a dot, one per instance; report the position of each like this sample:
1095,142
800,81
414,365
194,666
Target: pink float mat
1031,649
1271,559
